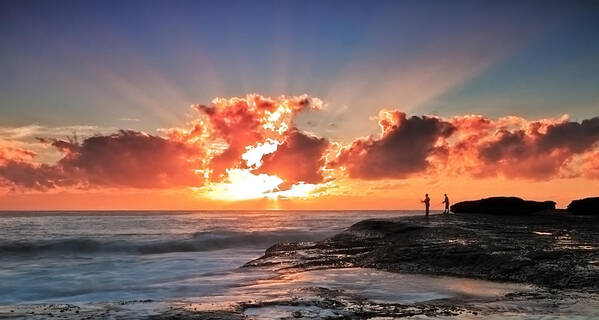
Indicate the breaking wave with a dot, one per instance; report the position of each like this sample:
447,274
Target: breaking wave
200,241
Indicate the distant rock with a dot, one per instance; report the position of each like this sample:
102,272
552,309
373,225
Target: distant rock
502,206
585,206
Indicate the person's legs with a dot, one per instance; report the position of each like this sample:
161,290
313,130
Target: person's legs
427,208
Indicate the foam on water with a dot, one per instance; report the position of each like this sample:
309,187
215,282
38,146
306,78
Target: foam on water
111,256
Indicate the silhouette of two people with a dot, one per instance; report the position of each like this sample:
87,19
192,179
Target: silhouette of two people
427,204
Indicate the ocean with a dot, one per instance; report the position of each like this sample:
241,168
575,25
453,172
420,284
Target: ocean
111,264
83,256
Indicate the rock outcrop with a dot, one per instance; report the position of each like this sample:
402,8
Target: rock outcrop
552,250
587,206
502,206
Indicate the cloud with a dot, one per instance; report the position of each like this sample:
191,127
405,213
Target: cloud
475,146
18,169
541,139
131,159
35,130
207,148
26,175
514,147
11,151
256,137
401,149
298,159
122,159
590,165
243,122
572,136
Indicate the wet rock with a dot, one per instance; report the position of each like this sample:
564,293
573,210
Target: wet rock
203,315
502,206
586,206
341,304
555,251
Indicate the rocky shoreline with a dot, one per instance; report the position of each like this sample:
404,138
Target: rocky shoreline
549,249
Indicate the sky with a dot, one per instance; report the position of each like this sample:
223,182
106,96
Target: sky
295,104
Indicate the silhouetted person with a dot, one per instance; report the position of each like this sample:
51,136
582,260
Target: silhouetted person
427,203
446,202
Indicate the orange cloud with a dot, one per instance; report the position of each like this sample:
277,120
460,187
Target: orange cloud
17,169
222,149
10,152
590,167
474,146
123,159
300,158
248,148
515,148
244,122
403,147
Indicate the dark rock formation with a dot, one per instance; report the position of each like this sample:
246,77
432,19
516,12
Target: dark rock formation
555,250
502,206
584,206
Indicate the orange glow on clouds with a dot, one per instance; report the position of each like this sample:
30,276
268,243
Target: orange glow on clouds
264,123
240,151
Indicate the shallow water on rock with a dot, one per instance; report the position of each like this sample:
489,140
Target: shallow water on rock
379,286
279,312
285,296
486,298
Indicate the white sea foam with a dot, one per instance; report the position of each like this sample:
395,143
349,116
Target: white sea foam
111,256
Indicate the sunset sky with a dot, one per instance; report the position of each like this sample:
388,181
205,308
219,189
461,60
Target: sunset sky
296,104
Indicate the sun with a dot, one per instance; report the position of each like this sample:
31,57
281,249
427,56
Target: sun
240,182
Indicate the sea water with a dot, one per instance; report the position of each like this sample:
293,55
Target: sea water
71,257
96,259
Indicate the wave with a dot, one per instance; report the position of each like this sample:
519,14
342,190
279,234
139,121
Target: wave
197,242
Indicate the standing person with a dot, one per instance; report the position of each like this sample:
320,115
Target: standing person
427,203
446,202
